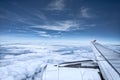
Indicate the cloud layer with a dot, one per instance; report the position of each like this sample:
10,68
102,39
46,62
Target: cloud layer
30,66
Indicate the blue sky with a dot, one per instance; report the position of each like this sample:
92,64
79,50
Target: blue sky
60,19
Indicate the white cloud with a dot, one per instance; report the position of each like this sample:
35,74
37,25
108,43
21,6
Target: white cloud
85,12
44,34
60,26
56,5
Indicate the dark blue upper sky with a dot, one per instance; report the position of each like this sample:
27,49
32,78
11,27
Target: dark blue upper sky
60,19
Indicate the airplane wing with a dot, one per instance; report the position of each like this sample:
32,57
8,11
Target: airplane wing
108,61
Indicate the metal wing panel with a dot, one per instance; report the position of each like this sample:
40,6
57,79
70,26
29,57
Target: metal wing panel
108,61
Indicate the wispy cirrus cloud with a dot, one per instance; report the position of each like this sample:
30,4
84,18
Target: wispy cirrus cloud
40,15
26,17
84,12
59,26
44,34
56,5
90,25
